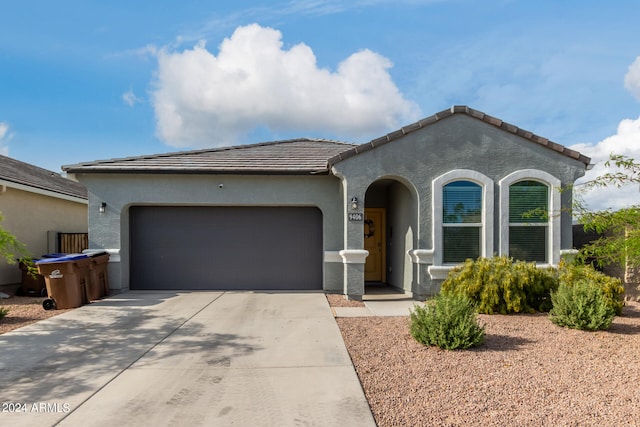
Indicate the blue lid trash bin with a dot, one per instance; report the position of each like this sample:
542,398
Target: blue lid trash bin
66,278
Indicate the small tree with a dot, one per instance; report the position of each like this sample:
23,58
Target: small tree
619,243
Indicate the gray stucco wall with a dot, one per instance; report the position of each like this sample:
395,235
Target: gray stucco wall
110,230
457,142
400,174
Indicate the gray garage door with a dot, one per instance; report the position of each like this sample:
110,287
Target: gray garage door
259,248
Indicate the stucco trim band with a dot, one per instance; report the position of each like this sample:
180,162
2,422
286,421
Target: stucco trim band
421,256
354,256
332,256
440,272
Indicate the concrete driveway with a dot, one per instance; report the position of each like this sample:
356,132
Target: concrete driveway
183,358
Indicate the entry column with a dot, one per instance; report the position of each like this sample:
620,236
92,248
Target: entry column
353,260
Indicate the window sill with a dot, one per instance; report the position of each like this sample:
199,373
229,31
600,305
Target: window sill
439,272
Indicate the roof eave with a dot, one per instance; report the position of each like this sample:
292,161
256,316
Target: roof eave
205,171
44,191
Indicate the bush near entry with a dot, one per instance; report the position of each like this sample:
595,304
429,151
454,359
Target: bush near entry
581,305
500,285
612,288
448,322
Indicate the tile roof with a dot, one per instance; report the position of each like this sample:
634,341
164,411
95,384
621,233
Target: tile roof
15,171
295,156
460,109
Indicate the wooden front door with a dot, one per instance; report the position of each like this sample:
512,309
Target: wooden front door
374,242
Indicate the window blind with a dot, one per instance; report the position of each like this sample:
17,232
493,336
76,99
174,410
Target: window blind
460,244
462,221
461,203
528,243
528,202
528,218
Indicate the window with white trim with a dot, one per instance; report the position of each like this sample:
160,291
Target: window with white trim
529,221
530,230
461,221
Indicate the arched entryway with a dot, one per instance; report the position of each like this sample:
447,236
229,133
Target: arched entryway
390,230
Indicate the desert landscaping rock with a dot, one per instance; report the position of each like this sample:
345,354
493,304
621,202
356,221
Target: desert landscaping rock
24,311
529,372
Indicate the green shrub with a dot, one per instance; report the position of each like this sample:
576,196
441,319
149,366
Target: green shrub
538,284
3,312
447,321
570,274
500,285
581,305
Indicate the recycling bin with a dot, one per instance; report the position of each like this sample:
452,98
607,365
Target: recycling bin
66,278
98,285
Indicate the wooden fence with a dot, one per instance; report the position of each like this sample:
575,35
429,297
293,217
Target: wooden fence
73,243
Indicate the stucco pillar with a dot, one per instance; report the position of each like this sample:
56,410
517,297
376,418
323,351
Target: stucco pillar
353,260
353,255
423,285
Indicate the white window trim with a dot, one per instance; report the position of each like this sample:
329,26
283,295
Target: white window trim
439,270
553,248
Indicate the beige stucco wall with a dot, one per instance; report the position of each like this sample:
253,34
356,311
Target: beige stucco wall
29,216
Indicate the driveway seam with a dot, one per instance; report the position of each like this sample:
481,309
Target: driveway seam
138,359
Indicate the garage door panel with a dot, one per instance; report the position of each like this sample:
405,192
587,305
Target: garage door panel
226,248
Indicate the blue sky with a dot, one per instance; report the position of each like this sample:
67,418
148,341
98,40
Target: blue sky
88,80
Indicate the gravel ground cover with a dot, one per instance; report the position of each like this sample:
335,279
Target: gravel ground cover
23,311
529,372
336,300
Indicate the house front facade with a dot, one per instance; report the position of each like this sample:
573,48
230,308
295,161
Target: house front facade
305,214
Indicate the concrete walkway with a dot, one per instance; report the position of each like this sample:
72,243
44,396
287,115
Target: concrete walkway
378,308
380,300
183,358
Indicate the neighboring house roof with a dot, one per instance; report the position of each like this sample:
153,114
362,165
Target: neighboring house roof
460,109
295,156
24,176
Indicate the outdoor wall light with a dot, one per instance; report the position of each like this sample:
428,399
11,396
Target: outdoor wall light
354,203
103,207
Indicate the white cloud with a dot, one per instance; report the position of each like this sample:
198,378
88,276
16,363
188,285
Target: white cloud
130,98
632,79
4,129
625,142
201,99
